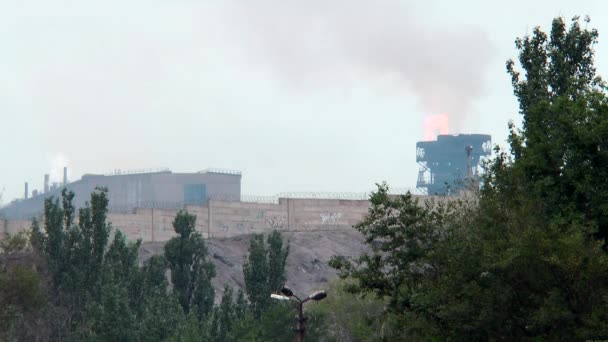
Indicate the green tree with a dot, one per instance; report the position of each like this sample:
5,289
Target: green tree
223,317
264,270
344,316
99,290
74,255
518,262
22,290
479,271
560,156
275,323
191,272
112,315
158,310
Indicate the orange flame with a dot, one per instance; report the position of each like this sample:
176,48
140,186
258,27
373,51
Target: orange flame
435,125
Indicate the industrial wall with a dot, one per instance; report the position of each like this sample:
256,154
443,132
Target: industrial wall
220,219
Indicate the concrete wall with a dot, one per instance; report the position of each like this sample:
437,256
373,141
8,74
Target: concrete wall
221,219
13,226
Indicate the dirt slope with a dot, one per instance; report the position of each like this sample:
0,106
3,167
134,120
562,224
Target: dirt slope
307,268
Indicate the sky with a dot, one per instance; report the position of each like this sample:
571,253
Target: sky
301,96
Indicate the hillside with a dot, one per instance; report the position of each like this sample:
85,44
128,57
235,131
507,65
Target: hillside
307,264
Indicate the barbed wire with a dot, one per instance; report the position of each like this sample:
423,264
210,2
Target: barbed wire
273,199
119,172
221,171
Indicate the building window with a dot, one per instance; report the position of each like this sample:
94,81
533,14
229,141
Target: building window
195,194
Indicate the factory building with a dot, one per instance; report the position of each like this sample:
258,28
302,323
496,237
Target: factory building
136,189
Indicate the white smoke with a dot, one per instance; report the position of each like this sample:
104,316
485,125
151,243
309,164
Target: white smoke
57,161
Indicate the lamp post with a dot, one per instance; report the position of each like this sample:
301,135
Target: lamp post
287,294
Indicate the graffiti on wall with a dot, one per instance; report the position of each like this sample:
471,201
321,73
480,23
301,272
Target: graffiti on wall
276,222
330,218
223,227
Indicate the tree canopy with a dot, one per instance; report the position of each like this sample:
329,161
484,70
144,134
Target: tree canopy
191,272
523,258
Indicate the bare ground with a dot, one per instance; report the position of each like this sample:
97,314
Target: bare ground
307,263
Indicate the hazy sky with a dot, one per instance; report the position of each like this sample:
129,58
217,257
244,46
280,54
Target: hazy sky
300,95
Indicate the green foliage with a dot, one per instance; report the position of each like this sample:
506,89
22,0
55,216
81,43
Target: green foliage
191,272
158,311
276,323
344,316
462,270
15,243
100,293
74,252
560,156
226,315
520,262
22,292
190,330
264,270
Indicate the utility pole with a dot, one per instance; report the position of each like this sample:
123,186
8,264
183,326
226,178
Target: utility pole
287,294
300,324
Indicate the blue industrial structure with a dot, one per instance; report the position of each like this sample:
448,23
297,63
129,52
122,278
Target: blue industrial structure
451,162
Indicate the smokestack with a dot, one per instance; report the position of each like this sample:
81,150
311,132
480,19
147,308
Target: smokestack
46,183
26,191
65,176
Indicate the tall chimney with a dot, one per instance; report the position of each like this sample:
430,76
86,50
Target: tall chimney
65,176
26,191
46,183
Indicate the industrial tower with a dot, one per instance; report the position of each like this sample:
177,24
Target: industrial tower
451,162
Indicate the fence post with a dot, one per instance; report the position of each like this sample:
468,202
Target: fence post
209,219
152,223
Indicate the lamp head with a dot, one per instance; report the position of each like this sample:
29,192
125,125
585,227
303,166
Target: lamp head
318,295
287,291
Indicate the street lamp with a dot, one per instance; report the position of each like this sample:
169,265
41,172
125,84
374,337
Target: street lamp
287,294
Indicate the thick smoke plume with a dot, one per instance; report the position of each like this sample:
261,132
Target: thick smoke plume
329,43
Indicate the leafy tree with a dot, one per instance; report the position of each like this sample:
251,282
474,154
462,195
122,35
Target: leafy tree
344,316
240,305
99,290
277,258
191,272
74,255
518,262
158,310
255,272
479,271
223,317
560,156
22,290
264,270
191,330
275,323
112,316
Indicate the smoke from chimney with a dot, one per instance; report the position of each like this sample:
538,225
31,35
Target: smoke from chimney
322,44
